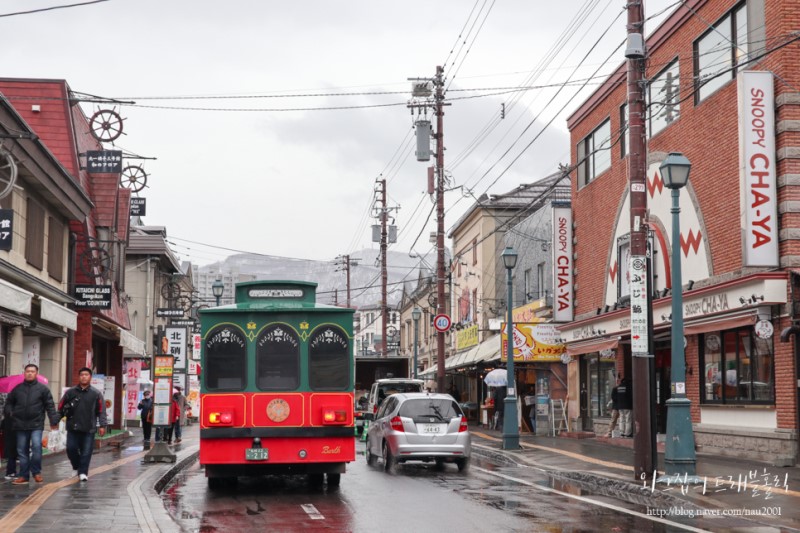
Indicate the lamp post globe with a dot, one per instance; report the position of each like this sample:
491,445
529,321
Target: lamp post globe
416,314
510,428
679,453
217,289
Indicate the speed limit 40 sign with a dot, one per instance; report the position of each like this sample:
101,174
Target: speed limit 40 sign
441,323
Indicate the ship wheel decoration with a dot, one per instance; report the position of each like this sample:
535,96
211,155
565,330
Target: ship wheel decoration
106,125
134,178
95,261
184,302
8,173
171,291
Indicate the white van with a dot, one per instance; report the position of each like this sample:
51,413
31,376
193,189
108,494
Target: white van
386,387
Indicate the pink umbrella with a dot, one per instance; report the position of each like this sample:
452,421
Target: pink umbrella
9,382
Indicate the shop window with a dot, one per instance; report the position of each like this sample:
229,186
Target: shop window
719,50
601,379
594,154
278,359
664,102
737,367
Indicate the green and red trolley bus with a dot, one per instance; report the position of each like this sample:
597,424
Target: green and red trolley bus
276,392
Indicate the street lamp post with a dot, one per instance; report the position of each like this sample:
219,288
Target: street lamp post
416,314
217,288
510,428
679,454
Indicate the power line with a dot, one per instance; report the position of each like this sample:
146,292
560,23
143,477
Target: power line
52,8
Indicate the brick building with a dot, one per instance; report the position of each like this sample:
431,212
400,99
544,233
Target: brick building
716,71
97,241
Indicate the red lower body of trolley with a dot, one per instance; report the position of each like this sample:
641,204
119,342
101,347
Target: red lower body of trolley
251,434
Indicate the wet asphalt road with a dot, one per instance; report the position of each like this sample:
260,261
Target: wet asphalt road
417,497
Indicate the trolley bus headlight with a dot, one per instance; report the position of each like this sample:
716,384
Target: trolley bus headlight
220,418
334,416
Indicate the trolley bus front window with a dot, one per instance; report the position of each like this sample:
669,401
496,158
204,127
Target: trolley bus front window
329,360
225,358
278,359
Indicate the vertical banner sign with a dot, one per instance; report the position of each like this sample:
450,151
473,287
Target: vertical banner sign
110,391
197,340
757,168
31,347
193,396
562,262
638,286
162,377
6,228
176,342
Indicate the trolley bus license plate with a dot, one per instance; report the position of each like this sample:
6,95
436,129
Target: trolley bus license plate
256,454
432,428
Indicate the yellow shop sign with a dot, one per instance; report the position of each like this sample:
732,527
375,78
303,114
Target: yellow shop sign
533,342
467,337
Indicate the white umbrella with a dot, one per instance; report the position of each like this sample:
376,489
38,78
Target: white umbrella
497,378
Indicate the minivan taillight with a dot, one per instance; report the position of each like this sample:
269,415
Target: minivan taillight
463,426
397,424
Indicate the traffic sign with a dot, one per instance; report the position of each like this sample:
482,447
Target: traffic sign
442,323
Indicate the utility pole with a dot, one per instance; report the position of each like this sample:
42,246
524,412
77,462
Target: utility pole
384,275
421,88
440,273
644,449
344,262
336,297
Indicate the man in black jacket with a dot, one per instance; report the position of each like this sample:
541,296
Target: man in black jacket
27,404
85,409
625,405
146,407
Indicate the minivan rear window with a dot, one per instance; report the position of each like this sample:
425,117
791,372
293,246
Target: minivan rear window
394,388
429,407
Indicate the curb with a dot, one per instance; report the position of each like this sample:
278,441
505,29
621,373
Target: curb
168,476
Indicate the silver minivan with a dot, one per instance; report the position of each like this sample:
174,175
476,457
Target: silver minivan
419,427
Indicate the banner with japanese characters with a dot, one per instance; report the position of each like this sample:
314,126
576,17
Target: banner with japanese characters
176,343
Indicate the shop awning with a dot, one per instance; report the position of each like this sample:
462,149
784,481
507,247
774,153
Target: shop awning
15,298
427,373
594,345
131,343
707,325
58,314
488,350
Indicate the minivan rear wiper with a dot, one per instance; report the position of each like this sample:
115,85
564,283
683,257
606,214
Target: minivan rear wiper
436,410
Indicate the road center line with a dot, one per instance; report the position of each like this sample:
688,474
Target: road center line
591,501
312,512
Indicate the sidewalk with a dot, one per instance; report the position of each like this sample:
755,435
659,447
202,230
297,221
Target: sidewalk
729,483
120,495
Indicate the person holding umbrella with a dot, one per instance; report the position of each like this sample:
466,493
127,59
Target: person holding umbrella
27,405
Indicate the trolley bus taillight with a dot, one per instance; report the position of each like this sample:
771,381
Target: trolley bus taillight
334,416
220,418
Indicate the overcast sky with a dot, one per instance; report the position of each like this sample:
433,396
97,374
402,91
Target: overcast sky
300,183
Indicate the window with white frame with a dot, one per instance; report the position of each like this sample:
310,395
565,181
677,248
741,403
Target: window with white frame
540,270
594,153
625,132
719,50
528,288
663,98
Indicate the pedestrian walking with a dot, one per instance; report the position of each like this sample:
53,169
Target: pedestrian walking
85,409
624,405
530,403
27,405
181,400
499,396
174,417
613,405
146,407
454,392
9,438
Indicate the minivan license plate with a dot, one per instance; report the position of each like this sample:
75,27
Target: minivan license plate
256,454
431,428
